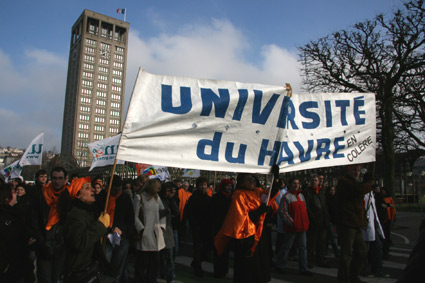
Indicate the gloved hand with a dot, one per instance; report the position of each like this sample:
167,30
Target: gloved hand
254,215
105,219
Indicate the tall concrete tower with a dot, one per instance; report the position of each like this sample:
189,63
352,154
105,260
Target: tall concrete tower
95,87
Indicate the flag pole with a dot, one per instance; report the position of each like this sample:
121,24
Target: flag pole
285,113
110,185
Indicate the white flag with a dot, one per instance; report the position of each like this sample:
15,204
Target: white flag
34,153
104,151
11,171
159,172
192,173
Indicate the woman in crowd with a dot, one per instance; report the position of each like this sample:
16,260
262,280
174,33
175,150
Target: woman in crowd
13,238
82,230
147,208
166,254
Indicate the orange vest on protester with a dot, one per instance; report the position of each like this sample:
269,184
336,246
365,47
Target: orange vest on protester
237,224
183,197
390,210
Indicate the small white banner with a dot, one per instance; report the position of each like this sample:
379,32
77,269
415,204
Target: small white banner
192,173
156,172
104,151
11,171
33,155
241,127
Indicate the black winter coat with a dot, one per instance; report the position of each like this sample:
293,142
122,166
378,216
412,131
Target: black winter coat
82,231
350,197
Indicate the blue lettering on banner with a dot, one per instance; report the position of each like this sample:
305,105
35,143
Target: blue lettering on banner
167,100
310,115
358,102
309,110
258,116
286,154
221,103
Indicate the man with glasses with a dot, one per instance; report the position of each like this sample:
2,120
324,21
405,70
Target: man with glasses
46,229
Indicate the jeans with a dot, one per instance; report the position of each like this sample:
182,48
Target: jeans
176,242
288,240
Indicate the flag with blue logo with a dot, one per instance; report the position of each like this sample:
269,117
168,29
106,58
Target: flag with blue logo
34,152
104,151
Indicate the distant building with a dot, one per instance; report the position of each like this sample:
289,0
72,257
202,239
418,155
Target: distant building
94,98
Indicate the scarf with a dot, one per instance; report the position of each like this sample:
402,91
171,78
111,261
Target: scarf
111,207
316,189
51,197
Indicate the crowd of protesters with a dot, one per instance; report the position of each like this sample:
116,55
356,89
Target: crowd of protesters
60,230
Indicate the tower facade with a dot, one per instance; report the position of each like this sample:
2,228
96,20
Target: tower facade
94,99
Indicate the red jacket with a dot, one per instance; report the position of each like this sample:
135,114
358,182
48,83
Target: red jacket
294,212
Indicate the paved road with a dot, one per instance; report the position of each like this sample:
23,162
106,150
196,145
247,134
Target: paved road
404,236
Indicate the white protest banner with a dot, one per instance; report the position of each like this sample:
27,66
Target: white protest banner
191,173
238,127
11,171
33,155
104,152
155,172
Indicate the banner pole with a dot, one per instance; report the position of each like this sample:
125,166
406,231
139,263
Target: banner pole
288,88
110,185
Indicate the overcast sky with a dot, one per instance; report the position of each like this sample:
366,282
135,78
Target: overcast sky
248,41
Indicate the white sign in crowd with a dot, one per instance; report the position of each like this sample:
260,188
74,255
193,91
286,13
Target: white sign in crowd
239,127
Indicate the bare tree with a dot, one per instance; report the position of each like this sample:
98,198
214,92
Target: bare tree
383,56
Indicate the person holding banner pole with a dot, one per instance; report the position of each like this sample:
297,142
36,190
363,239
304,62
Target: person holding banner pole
350,222
244,224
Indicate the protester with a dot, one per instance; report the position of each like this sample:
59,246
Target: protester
120,209
293,212
373,236
175,218
197,210
166,254
183,195
97,187
40,182
147,207
350,222
17,181
82,230
220,203
244,224
46,229
14,238
279,221
319,222
126,188
331,202
387,223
